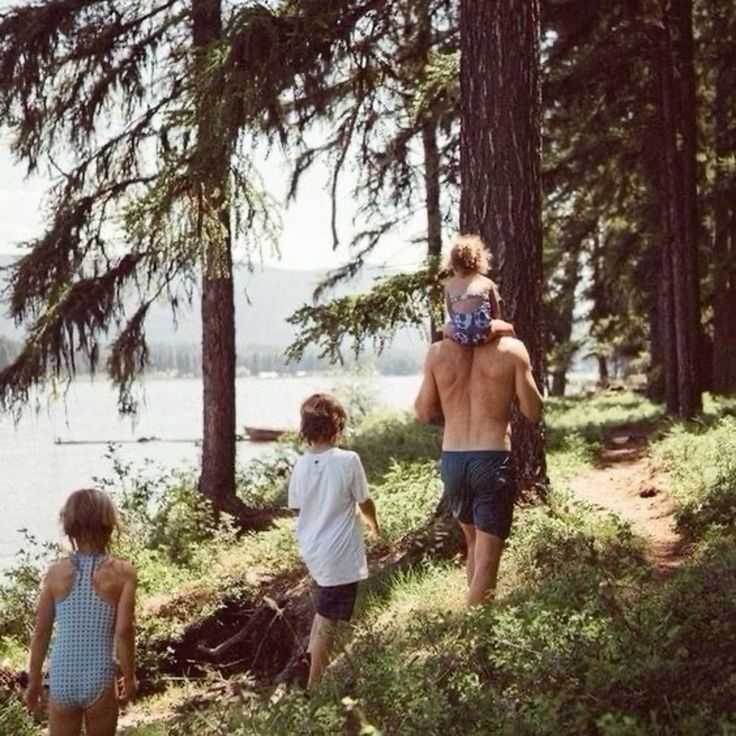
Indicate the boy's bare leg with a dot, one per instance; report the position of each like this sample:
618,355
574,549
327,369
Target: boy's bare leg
101,718
64,721
487,548
448,330
320,646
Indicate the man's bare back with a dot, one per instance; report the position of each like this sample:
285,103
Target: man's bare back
474,389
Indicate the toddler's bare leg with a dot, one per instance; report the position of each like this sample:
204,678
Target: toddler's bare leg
64,721
101,718
320,646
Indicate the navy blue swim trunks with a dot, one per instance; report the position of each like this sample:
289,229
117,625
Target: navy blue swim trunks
335,602
481,488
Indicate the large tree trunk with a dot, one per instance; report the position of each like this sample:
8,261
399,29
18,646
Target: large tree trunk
680,313
431,174
681,15
500,155
214,147
724,246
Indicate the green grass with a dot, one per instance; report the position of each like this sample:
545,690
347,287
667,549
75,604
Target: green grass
701,463
580,640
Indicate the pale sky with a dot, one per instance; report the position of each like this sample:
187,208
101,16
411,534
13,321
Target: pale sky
306,241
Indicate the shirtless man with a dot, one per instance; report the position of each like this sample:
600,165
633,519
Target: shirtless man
474,389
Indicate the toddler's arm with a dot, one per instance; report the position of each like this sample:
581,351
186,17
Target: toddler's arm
40,642
125,634
368,509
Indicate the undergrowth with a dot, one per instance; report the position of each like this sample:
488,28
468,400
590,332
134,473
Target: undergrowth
579,641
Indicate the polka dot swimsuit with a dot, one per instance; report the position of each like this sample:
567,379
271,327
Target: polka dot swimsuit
82,660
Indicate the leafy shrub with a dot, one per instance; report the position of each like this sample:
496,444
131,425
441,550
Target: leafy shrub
702,464
579,646
162,510
264,481
19,588
15,721
406,498
385,439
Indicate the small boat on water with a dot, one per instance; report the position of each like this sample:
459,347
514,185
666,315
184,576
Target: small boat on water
263,434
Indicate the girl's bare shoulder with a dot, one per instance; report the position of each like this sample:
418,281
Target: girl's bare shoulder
119,568
59,569
59,577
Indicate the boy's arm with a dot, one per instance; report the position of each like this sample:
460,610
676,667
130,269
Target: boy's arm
125,634
45,611
368,509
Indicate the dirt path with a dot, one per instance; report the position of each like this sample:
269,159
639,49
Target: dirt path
628,484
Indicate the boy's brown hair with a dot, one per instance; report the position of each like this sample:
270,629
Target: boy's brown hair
323,419
469,253
89,516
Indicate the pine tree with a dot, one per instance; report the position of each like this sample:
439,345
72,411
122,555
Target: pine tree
142,111
500,163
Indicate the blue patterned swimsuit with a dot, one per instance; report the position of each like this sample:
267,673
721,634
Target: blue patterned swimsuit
82,662
471,328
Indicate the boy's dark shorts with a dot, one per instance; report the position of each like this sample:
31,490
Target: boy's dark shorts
335,602
480,488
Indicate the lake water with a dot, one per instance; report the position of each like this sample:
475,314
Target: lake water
37,473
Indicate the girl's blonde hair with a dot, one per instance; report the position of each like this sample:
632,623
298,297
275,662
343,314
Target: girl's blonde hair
323,419
89,516
469,253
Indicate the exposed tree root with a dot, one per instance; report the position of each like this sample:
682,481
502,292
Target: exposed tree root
264,630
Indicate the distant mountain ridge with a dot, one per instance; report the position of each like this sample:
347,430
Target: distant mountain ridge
264,298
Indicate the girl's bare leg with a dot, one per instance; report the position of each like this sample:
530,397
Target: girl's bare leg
64,721
101,718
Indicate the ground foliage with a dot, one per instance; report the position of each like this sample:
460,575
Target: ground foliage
581,640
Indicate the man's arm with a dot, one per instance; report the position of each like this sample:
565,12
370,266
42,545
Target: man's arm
530,400
427,405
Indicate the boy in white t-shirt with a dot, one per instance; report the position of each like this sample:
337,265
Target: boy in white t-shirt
326,484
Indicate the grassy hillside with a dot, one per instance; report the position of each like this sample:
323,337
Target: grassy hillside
583,637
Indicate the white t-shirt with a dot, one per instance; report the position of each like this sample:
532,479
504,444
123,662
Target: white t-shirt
325,487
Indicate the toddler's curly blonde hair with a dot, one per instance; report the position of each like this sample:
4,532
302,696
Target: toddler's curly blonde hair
469,253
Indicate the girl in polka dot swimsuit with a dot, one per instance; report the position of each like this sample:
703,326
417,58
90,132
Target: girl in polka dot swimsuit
88,600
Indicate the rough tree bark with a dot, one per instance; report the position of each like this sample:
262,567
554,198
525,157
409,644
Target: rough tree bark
432,205
567,306
500,155
214,148
679,309
724,246
431,168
